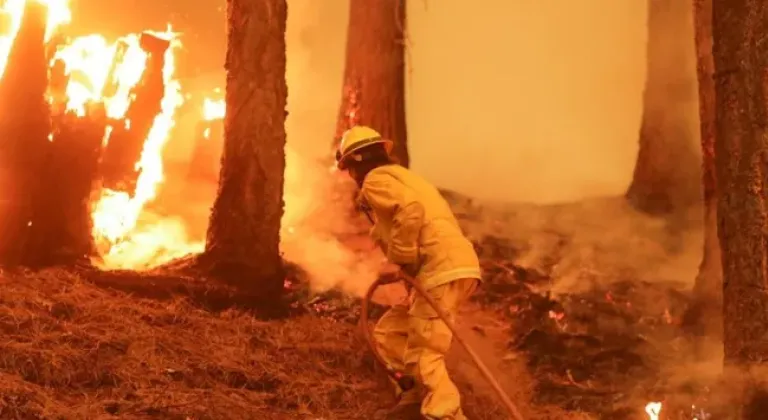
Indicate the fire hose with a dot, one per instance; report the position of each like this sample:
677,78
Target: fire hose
406,382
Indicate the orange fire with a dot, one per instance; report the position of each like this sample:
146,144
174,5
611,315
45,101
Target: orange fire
213,110
653,410
13,11
121,239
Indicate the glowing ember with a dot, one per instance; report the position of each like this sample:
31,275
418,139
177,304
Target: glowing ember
653,409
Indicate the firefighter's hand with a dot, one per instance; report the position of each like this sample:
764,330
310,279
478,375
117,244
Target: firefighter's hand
388,277
410,270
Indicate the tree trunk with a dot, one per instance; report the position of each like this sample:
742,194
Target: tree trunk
667,176
244,232
740,31
24,129
64,235
704,315
373,91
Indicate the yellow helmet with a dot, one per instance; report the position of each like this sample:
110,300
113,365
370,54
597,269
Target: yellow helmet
355,139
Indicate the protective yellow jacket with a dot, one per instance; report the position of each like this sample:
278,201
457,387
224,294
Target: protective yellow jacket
416,228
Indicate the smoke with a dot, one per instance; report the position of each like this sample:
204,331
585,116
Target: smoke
311,226
511,102
314,215
552,94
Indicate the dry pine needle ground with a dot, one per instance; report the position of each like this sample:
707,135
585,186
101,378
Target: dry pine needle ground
72,350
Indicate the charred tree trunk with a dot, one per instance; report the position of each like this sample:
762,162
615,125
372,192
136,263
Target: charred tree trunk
704,315
244,232
740,47
61,233
667,176
118,166
373,92
24,129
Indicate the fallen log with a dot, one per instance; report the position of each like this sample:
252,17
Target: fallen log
118,166
24,130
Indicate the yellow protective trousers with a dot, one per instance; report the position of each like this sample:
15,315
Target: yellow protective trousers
413,339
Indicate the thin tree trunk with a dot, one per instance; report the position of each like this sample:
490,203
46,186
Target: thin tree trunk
704,316
24,129
667,176
244,232
373,91
740,48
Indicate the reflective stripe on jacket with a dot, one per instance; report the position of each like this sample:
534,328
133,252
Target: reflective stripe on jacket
416,228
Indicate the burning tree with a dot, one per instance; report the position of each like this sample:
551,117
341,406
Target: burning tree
704,313
24,129
68,103
127,140
667,173
740,31
244,231
373,92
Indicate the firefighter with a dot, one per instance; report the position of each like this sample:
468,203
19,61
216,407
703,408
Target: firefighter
416,229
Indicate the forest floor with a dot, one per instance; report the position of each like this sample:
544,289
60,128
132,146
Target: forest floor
579,316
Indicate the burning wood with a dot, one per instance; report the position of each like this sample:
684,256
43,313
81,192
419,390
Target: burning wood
114,101
118,167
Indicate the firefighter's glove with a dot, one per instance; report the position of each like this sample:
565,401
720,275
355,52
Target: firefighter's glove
388,277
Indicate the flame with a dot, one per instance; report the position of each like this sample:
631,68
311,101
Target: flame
102,72
12,12
116,214
213,109
88,61
653,409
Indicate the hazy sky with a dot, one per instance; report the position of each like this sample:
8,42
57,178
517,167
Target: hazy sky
528,100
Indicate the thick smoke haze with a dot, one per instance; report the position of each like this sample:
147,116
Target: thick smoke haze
524,101
543,100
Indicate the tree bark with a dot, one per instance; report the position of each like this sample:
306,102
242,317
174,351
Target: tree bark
704,315
24,129
667,176
740,49
373,91
244,231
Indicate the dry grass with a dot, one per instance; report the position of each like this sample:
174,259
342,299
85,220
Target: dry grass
74,350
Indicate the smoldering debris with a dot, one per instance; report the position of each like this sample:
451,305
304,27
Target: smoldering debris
606,351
